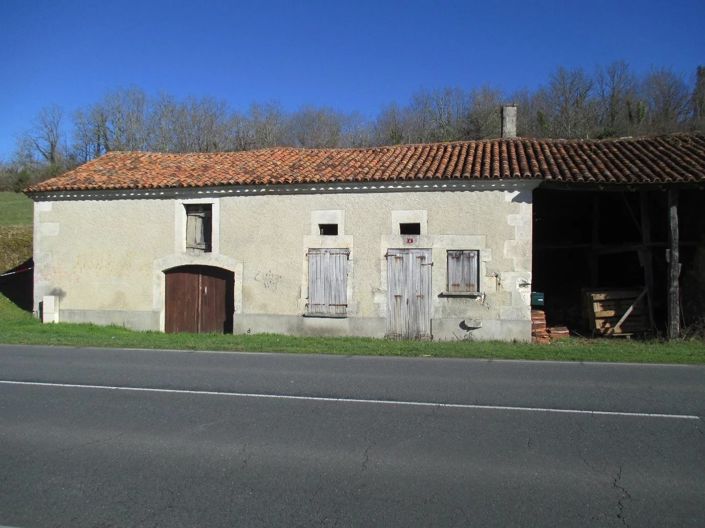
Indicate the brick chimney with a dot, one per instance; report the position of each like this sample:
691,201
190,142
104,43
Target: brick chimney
509,121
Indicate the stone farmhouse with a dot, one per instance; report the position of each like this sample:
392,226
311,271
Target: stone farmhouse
411,241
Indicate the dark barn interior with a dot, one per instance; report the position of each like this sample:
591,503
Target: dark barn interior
607,238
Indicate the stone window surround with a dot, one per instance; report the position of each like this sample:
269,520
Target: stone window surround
180,223
439,244
317,241
418,216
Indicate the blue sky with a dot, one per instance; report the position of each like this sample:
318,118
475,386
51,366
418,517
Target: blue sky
352,56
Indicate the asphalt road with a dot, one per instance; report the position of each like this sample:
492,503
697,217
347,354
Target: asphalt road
284,440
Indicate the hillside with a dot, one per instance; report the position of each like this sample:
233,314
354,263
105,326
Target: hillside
15,229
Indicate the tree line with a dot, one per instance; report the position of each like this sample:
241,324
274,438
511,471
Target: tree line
612,101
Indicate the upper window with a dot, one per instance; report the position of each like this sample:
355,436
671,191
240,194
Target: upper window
463,271
328,229
199,227
328,282
412,228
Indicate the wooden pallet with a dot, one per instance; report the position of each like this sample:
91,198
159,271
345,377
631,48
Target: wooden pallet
616,312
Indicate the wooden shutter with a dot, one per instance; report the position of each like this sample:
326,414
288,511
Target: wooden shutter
328,281
198,226
409,293
462,271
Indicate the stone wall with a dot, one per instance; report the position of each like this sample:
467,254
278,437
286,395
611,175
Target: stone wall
103,259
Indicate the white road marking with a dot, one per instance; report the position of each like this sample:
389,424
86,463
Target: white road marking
352,400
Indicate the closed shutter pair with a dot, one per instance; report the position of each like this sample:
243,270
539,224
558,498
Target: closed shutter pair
328,282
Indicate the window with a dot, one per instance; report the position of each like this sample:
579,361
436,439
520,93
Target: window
410,228
328,229
463,271
328,282
198,227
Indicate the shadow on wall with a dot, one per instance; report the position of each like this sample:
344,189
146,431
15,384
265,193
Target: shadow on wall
523,197
17,284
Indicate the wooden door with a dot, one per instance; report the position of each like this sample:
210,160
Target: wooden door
409,293
199,299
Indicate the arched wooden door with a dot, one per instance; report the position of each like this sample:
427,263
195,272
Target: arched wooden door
199,299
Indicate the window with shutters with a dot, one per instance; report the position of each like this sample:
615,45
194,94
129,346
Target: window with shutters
327,282
463,271
199,227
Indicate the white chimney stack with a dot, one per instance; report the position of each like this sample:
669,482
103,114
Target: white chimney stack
509,121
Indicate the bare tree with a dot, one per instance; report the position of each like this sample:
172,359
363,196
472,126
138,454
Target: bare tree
46,135
126,124
668,101
161,125
89,133
118,122
419,122
390,128
484,119
451,109
316,128
201,126
617,100
356,132
568,97
698,100
532,116
268,123
241,132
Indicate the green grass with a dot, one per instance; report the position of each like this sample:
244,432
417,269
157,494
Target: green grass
20,327
17,326
15,209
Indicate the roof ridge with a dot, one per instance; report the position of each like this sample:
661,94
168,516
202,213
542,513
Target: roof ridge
418,144
668,158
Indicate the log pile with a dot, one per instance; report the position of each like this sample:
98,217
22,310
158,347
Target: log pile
616,312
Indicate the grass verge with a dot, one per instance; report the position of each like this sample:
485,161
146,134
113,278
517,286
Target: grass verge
19,327
15,209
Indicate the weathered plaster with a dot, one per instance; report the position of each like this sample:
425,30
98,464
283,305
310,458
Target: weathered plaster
109,255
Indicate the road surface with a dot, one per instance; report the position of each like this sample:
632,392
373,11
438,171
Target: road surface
108,438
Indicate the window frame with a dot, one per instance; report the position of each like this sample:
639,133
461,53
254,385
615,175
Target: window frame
333,226
191,209
325,282
409,228
449,292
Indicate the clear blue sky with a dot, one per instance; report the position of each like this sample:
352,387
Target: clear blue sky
352,55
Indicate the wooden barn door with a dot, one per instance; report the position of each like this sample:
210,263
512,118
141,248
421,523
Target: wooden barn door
199,299
409,293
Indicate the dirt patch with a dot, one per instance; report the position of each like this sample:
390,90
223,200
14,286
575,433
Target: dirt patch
15,245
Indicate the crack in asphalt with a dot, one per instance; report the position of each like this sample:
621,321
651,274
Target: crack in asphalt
624,495
366,458
246,455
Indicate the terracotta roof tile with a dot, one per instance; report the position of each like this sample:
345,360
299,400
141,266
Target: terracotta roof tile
674,158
